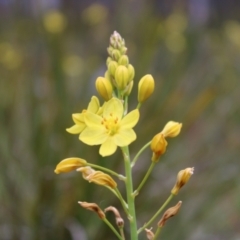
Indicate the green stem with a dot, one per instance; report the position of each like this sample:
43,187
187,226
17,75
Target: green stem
121,177
136,192
122,233
139,105
130,197
125,105
139,153
157,233
156,214
112,228
124,204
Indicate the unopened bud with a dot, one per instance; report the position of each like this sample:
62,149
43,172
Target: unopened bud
123,50
169,213
145,88
131,72
158,146
182,178
121,77
149,233
118,218
172,129
123,60
104,88
109,59
69,164
128,89
93,207
112,66
116,54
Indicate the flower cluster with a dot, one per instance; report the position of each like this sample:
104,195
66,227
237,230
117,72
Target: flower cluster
110,125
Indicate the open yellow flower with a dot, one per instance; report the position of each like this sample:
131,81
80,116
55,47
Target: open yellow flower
78,118
111,129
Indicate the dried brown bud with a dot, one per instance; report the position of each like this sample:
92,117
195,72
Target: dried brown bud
93,207
118,218
182,178
149,233
169,213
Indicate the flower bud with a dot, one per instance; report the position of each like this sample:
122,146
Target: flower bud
116,54
145,88
169,213
158,146
182,178
131,72
123,60
123,50
109,59
112,66
118,218
172,129
121,77
93,207
128,89
104,88
69,164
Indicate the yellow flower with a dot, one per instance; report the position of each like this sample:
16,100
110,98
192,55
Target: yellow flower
78,118
111,129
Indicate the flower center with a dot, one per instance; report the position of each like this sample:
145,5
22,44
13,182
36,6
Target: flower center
111,124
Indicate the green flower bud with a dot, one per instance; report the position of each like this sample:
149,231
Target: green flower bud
123,60
123,50
121,77
112,66
110,50
104,88
131,72
109,59
145,88
129,89
116,54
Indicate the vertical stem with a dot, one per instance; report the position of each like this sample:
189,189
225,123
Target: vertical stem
130,197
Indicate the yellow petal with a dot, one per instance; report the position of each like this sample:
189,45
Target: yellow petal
130,120
93,120
113,106
93,136
124,137
94,105
108,147
76,129
69,164
78,118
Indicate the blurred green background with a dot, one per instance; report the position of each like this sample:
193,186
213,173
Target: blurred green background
52,51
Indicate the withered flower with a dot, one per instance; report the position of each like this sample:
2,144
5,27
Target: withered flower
182,178
149,233
118,218
93,207
169,213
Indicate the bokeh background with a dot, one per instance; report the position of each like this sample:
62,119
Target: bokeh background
50,55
